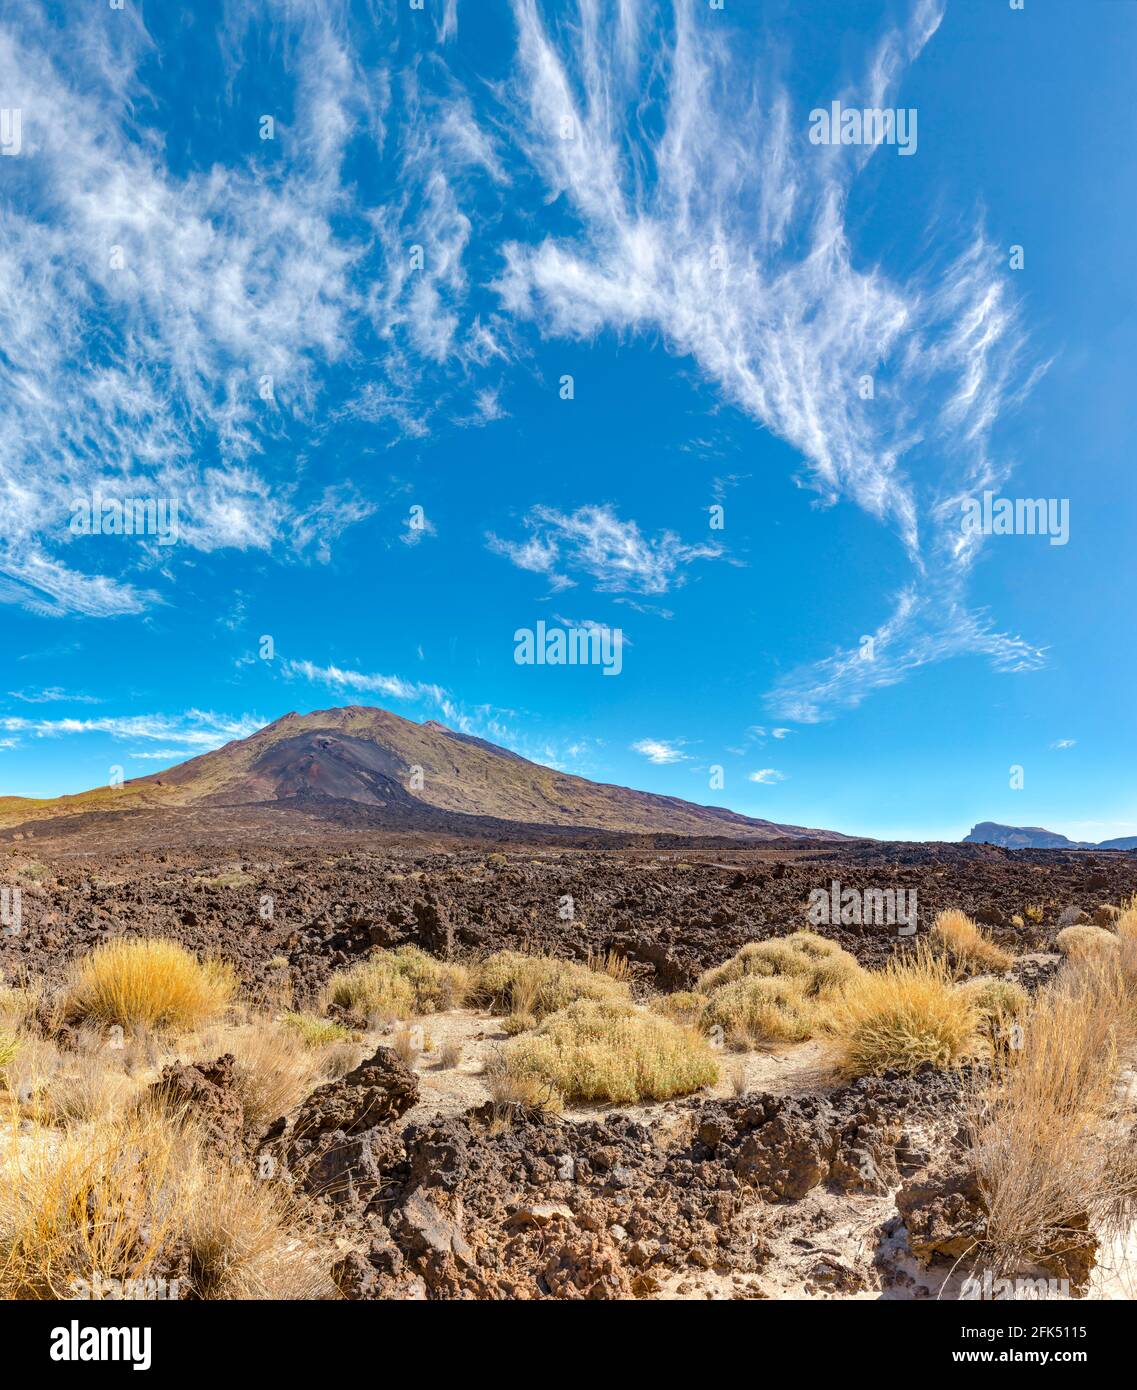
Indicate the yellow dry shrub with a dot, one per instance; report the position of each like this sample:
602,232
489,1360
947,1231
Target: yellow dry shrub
314,1030
997,998
761,1009
1048,1148
1083,941
399,984
909,1013
135,1199
820,964
147,982
608,1051
274,1068
19,1005
1125,922
612,963
685,1006
515,1023
777,990
535,986
955,932
82,1088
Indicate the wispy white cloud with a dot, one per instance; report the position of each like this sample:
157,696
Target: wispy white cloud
416,529
1064,743
166,754
767,776
928,624
166,327
342,678
486,721
737,254
53,694
586,623
661,750
201,730
181,294
487,408
594,540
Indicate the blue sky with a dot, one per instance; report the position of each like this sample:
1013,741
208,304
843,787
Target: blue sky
627,194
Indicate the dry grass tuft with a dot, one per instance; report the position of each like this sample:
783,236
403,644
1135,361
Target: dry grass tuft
772,991
511,1089
612,964
1084,941
408,1045
820,964
56,1088
9,1047
83,1089
274,1069
900,1017
684,1006
609,1051
762,1009
515,1023
1049,1144
535,986
955,932
997,998
147,983
135,1199
1126,920
19,1005
338,1059
399,984
316,1031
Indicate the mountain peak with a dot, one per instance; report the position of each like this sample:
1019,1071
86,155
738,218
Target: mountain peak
989,832
397,774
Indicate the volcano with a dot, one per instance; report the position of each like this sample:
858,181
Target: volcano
369,767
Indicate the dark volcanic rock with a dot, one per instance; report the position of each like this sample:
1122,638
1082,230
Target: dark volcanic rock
946,1216
343,1144
527,1205
206,1095
377,1092
324,901
944,1211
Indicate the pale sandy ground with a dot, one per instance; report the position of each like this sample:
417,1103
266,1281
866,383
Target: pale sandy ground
819,1244
816,1242
450,1091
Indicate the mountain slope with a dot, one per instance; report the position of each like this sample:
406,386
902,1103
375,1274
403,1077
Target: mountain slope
376,759
989,832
